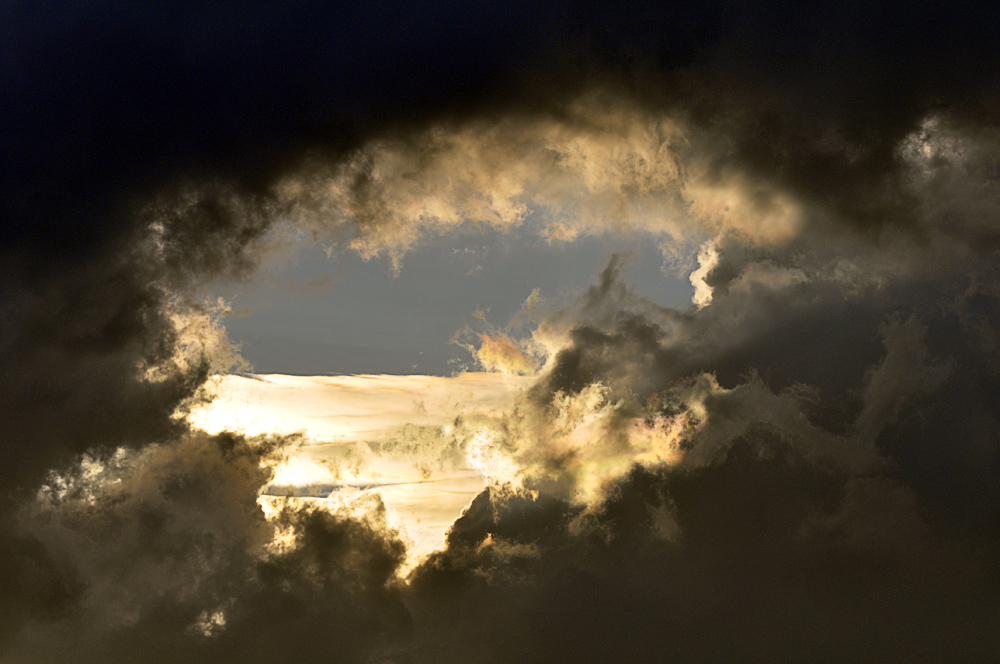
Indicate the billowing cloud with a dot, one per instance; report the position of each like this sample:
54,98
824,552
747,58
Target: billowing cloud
501,354
801,465
166,553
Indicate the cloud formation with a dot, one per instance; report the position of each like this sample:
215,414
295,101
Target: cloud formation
802,465
173,558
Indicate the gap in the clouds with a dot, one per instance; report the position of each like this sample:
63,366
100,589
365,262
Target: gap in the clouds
312,318
397,437
316,314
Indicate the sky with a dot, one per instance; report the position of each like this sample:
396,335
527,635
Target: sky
316,313
506,332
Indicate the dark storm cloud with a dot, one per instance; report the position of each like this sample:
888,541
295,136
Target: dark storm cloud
758,556
853,515
168,556
891,367
838,495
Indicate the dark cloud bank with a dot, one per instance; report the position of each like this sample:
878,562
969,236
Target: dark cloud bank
840,495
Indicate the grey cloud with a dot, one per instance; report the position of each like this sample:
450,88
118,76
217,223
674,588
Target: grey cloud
903,373
169,556
765,556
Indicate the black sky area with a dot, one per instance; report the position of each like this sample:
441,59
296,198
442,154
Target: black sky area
839,497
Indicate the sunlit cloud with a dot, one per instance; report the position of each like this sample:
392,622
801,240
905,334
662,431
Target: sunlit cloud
708,258
382,435
350,409
604,164
499,353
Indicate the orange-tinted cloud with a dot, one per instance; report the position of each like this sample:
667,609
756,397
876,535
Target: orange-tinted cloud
499,353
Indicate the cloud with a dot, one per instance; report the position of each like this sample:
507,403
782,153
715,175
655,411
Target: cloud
406,439
501,354
598,163
756,554
350,409
168,548
774,530
707,260
804,467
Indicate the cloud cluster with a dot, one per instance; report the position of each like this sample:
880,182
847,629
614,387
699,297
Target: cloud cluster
168,555
760,555
831,490
802,465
